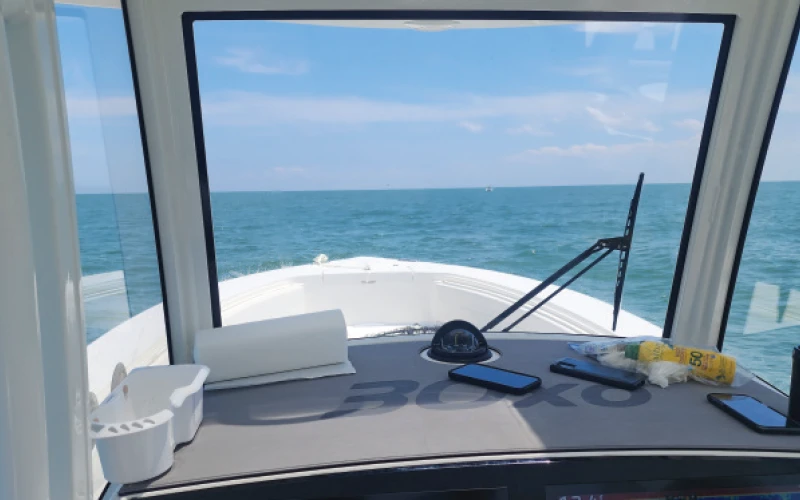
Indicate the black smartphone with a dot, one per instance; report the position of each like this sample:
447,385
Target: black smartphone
495,378
754,414
590,370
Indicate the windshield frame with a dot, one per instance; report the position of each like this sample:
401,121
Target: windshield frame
332,16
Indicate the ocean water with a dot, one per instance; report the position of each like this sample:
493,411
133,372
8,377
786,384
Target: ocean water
524,231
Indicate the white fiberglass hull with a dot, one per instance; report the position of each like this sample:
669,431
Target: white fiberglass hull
376,295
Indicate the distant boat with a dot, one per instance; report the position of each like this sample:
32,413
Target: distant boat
489,189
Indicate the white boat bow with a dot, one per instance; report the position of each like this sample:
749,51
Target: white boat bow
377,296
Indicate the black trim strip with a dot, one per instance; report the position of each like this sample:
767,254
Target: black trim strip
702,154
148,173
751,200
202,170
466,15
102,495
470,461
188,18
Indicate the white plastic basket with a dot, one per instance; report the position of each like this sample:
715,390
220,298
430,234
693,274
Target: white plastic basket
139,424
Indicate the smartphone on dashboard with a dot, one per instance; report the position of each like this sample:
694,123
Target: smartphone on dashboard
495,378
754,414
595,372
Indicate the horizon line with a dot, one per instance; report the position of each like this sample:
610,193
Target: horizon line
415,188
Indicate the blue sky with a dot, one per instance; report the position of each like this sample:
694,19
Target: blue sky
296,107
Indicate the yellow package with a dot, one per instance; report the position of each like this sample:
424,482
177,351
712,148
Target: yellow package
707,365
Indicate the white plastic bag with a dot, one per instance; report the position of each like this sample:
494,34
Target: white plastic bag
664,362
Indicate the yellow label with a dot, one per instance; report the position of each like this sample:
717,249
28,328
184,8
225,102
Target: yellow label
708,365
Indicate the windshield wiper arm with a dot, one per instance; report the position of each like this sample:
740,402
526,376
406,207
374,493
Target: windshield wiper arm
621,243
565,285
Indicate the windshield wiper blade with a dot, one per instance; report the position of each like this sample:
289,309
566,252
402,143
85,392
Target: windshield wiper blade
621,243
625,249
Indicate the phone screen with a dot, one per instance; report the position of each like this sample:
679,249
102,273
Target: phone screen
607,372
496,376
756,411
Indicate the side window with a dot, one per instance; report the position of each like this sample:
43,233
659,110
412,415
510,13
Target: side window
764,321
121,284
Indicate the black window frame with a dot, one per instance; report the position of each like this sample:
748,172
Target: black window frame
751,199
728,22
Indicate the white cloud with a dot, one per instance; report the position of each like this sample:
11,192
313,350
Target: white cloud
247,61
257,109
613,131
606,162
473,127
602,73
690,124
603,118
623,124
528,129
649,126
640,149
655,91
239,108
598,71
79,106
575,150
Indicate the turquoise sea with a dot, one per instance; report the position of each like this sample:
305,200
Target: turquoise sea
529,231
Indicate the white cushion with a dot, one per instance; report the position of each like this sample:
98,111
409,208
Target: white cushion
273,345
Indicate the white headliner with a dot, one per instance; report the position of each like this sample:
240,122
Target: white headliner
415,24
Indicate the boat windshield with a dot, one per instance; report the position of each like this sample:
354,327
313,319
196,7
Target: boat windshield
504,148
414,172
